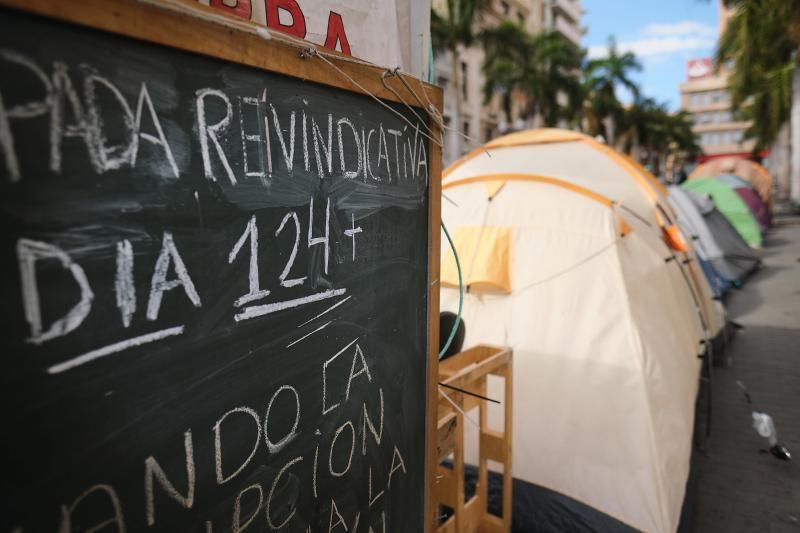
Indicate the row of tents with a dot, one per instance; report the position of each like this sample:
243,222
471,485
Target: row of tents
609,288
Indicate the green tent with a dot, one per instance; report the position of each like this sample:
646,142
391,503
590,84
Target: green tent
731,205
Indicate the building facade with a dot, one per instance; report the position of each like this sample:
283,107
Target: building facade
705,95
477,121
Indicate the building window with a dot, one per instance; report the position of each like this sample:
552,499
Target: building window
521,19
505,8
466,128
489,134
464,91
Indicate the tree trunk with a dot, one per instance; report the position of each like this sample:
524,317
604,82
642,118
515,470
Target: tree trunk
609,124
780,159
794,179
655,161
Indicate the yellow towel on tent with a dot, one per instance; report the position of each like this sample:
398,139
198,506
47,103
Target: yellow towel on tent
485,255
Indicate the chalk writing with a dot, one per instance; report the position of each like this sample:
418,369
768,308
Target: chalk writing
215,316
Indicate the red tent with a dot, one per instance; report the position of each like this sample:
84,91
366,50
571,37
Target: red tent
756,205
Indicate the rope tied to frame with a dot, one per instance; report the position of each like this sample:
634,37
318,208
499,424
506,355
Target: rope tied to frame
310,52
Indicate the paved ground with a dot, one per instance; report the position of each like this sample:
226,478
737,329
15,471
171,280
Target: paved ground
738,489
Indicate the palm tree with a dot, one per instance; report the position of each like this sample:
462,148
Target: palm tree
637,128
543,68
680,131
451,29
647,124
760,44
603,76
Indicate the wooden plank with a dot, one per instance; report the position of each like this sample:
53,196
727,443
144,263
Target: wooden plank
446,436
509,441
177,23
434,245
474,510
470,369
472,373
474,355
446,408
458,469
471,402
449,526
492,524
445,489
493,445
482,489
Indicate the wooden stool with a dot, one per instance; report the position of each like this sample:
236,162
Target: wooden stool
468,371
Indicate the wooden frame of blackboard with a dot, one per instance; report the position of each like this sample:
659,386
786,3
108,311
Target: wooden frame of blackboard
190,26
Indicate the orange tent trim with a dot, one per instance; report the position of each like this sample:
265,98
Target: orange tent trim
531,177
553,135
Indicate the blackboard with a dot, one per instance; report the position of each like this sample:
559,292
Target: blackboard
216,292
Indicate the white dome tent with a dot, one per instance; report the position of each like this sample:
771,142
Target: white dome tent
578,159
605,339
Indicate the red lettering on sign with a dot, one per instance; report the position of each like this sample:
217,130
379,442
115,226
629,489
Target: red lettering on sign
336,34
240,8
298,25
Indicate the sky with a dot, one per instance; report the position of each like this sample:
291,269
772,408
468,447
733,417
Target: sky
663,34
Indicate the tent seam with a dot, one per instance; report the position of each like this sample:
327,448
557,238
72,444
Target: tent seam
636,340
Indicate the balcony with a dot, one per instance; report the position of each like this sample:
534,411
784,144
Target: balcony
570,9
569,30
